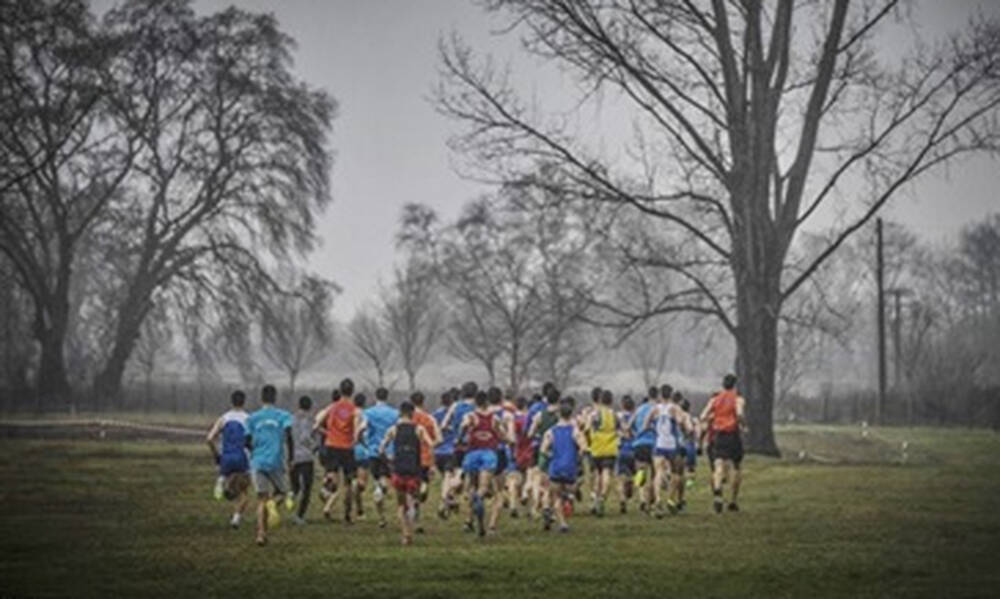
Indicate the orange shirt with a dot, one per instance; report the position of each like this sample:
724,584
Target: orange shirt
426,421
340,424
724,419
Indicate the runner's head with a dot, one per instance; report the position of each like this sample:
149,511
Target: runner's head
607,397
521,403
628,403
268,394
666,391
551,393
685,405
455,393
677,397
482,399
495,396
381,394
417,399
653,393
537,397
238,398
729,382
446,399
566,407
360,400
406,410
305,403
469,390
595,395
347,387
335,395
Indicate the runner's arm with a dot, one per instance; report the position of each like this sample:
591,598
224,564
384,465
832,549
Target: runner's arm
581,442
358,424
546,442
653,412
320,420
707,413
213,433
436,431
389,436
424,436
446,422
533,427
741,413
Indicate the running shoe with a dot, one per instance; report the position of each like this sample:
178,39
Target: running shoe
733,507
547,519
564,528
273,517
289,503
235,521
217,492
717,505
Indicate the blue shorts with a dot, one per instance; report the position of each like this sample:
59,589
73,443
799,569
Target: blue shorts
361,456
562,477
478,460
691,454
231,463
670,454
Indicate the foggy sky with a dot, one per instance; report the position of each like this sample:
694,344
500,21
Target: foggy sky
378,58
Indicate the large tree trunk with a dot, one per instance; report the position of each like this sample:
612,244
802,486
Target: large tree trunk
757,352
51,325
108,383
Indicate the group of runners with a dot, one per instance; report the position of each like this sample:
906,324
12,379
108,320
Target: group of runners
534,457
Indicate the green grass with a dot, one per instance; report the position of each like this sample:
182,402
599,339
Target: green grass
137,519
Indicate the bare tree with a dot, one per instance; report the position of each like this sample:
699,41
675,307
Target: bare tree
414,316
372,344
61,160
232,168
295,327
649,351
154,344
749,125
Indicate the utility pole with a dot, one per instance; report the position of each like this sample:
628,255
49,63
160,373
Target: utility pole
879,275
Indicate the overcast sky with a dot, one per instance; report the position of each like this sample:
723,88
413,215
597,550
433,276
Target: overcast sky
378,58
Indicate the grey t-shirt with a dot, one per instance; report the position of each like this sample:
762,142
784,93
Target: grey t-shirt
302,438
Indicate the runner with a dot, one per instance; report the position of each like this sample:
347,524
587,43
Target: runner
625,466
484,432
425,421
690,445
533,475
234,467
267,429
563,444
543,421
667,461
454,419
724,417
329,486
362,458
341,423
408,439
643,440
379,418
505,457
588,470
444,453
524,457
302,458
604,427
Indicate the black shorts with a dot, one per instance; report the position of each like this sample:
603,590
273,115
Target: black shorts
445,463
625,466
425,474
643,454
458,456
379,467
727,446
335,460
603,463
501,462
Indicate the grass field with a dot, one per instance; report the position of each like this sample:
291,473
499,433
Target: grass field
136,519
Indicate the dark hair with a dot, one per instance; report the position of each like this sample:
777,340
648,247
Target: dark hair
305,402
536,397
521,402
482,399
552,394
653,392
469,389
335,395
607,397
566,407
628,403
495,395
406,408
360,400
666,391
685,405
677,396
347,387
729,381
446,398
595,394
570,400
455,393
238,398
381,394
417,399
268,394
